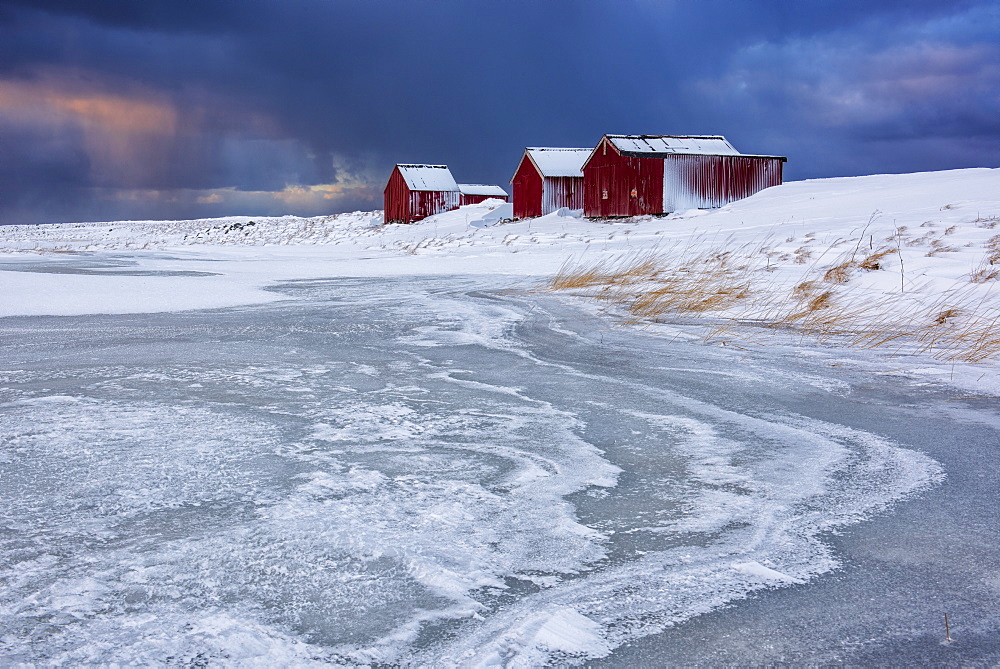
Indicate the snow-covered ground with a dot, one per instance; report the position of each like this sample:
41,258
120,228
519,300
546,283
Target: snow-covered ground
275,441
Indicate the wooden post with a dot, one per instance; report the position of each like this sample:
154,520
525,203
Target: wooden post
947,629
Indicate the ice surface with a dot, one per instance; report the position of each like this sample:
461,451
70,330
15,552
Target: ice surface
417,471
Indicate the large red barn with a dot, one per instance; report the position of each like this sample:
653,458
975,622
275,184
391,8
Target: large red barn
631,175
476,193
548,179
415,192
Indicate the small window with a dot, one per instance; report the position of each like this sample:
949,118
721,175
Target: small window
635,192
604,195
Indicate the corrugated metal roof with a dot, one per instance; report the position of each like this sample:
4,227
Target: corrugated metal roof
428,177
558,162
482,189
653,145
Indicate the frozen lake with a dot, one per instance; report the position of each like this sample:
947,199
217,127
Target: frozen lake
438,471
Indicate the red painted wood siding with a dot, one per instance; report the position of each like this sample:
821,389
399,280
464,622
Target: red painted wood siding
616,185
704,182
424,203
476,199
397,199
535,196
405,206
526,187
558,192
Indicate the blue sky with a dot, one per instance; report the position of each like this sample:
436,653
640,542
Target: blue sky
124,109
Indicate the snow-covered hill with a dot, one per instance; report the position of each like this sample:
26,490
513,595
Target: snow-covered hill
948,218
917,251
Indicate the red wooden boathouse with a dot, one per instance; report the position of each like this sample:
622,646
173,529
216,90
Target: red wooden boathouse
476,193
415,192
631,175
548,179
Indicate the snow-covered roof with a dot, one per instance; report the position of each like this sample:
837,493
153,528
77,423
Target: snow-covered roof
661,146
652,145
428,177
558,162
482,189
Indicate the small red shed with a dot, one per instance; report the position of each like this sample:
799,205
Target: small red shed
631,175
476,193
415,192
548,179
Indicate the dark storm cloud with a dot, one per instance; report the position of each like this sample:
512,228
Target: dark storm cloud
184,109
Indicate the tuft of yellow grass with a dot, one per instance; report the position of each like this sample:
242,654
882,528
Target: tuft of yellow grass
619,270
988,269
873,261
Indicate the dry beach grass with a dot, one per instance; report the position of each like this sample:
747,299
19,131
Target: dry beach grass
726,289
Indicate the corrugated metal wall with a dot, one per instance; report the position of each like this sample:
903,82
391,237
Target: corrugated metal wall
526,187
424,203
558,192
616,185
704,182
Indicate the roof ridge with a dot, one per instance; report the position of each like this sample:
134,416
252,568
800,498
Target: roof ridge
674,136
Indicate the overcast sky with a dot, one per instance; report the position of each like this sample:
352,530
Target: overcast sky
145,109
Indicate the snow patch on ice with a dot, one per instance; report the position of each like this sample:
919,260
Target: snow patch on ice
556,633
756,569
